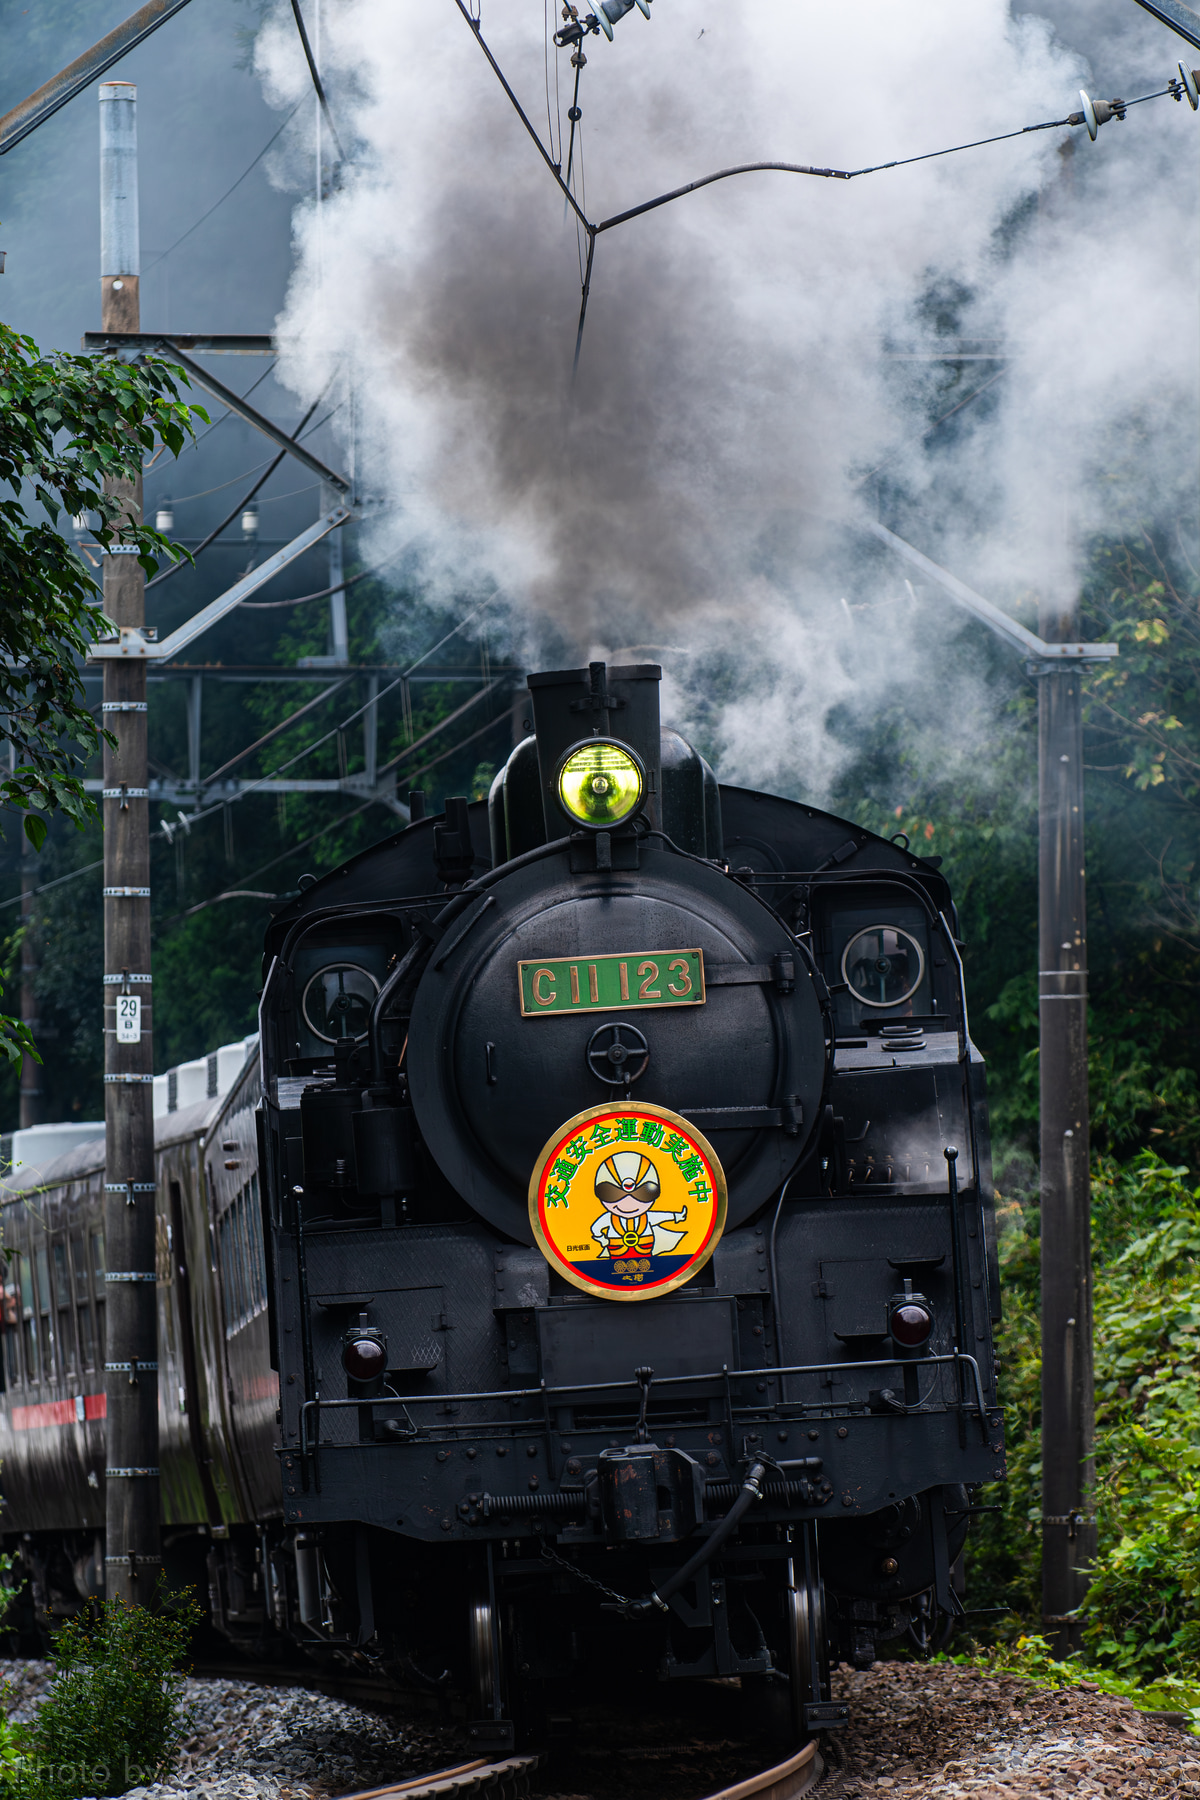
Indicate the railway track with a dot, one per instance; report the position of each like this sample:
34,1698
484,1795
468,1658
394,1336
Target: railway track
512,1778
509,1779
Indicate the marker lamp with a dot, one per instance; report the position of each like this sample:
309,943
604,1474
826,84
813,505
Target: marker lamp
601,784
364,1355
911,1324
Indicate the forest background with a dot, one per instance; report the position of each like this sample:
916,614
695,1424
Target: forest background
1142,589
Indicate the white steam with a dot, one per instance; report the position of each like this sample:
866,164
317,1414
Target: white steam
700,484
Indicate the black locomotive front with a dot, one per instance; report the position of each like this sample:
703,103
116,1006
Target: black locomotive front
631,1251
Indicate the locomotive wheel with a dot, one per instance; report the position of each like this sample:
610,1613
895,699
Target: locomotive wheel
808,1650
487,1671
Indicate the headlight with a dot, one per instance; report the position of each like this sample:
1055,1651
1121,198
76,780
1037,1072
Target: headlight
601,783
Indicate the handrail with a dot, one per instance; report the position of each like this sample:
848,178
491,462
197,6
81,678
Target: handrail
724,1375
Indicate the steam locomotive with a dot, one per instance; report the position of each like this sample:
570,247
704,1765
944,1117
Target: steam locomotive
597,1267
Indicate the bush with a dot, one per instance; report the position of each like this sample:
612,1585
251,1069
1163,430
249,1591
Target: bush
1142,1613
113,1718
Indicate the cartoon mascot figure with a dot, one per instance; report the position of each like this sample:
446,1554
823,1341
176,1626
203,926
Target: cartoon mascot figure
627,1186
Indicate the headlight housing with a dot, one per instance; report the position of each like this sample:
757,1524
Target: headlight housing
600,783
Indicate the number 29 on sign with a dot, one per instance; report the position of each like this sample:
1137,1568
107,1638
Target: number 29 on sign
129,1018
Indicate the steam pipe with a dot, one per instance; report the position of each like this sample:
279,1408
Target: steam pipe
387,992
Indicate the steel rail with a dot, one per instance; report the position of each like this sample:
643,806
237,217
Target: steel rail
796,1775
507,1775
787,1780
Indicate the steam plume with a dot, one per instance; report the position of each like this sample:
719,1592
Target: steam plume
699,486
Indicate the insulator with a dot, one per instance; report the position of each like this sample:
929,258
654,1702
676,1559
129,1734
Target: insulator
1098,112
1188,78
608,12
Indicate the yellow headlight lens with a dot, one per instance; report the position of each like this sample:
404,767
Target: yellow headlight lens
600,783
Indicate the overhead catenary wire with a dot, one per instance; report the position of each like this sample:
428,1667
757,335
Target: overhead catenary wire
933,425
267,737
248,170
251,786
1116,108
227,414
165,574
209,811
182,499
321,593
294,849
316,78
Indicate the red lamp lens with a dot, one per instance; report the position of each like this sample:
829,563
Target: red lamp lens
364,1358
911,1325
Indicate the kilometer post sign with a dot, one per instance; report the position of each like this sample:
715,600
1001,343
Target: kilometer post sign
625,980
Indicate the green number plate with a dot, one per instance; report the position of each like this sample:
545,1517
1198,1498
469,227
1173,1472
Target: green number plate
605,983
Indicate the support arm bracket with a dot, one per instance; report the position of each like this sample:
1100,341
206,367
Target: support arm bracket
133,641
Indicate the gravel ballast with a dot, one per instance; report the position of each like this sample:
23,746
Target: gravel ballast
256,1742
917,1732
936,1732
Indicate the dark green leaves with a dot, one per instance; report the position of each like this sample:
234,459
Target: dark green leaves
75,431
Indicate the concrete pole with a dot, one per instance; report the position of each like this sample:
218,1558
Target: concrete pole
132,1550
1068,1411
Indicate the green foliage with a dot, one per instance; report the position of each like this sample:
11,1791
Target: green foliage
1142,1614
1032,1657
114,1717
73,430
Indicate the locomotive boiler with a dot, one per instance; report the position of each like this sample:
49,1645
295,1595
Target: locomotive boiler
627,1232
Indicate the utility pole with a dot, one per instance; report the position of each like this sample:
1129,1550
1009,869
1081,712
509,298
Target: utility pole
1068,1406
1057,660
132,1550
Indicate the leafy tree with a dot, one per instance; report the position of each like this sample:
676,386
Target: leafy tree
73,431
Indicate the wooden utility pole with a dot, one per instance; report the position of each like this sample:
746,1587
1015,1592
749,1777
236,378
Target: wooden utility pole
132,1553
1068,1410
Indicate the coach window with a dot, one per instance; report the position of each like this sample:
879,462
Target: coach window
83,1302
29,1320
256,1240
68,1360
42,1284
12,1324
